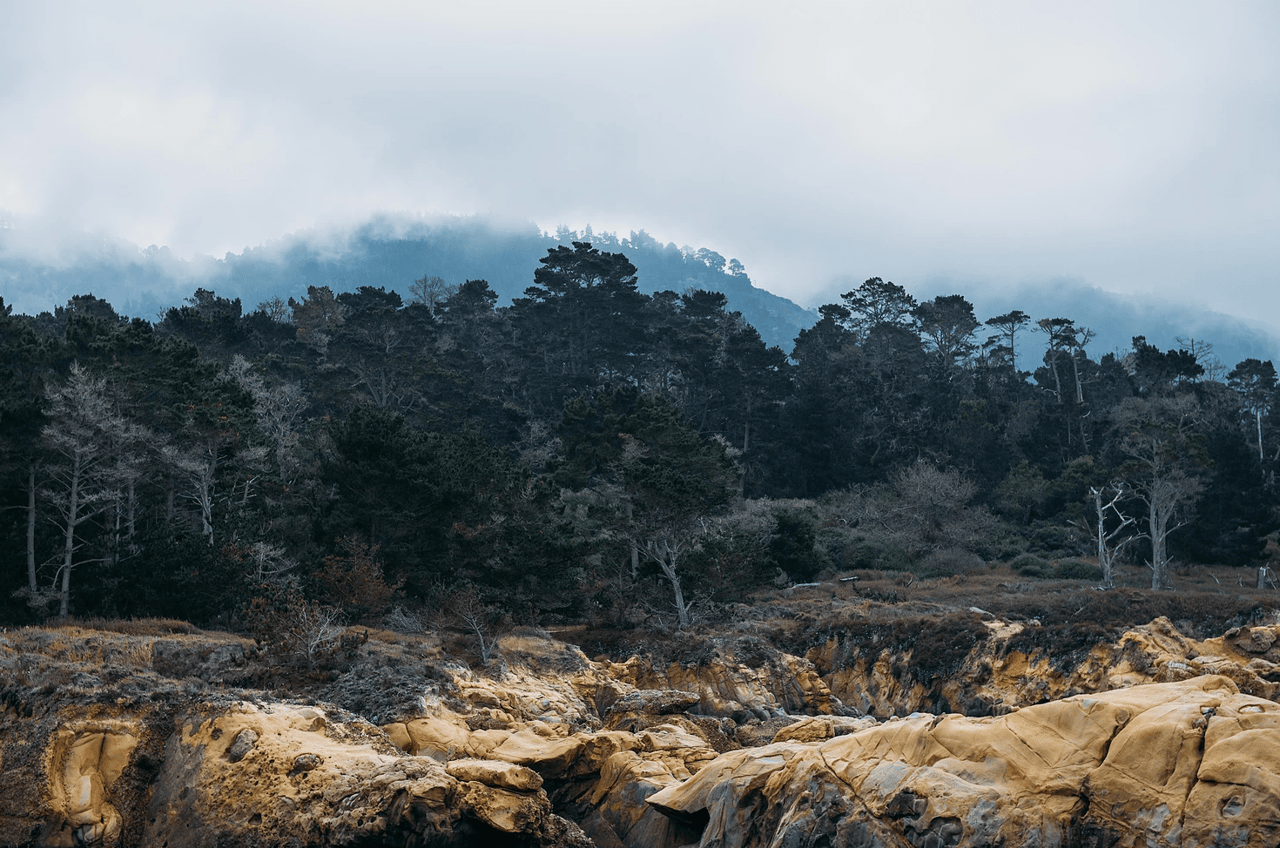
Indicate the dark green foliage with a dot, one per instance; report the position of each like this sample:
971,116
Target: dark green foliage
1077,569
531,450
424,497
793,546
1030,565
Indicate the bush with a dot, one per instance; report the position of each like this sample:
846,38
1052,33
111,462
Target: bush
1053,539
948,563
1030,565
296,633
1077,569
354,582
792,547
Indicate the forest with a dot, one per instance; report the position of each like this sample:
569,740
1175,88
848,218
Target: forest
592,453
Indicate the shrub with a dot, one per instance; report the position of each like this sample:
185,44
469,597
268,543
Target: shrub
1077,569
947,563
792,547
355,583
1030,565
294,632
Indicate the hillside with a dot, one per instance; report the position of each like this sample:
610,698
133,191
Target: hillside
386,252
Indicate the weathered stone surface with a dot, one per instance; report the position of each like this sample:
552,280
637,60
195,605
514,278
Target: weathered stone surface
96,754
495,773
820,728
742,688
1126,763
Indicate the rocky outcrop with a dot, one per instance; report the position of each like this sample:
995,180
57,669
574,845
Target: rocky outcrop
1188,764
113,739
741,679
1001,666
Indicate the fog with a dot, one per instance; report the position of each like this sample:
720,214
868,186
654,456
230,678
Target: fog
1129,146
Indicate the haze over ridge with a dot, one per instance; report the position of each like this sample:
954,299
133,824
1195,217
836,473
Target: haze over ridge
1130,145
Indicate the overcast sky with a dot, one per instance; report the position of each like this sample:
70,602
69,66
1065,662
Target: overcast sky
1133,146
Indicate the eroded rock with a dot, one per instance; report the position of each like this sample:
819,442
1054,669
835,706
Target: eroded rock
1125,763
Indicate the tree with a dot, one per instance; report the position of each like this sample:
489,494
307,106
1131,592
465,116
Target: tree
579,326
1007,326
1106,502
1164,455
82,421
1256,384
876,302
431,291
1061,337
317,315
25,363
663,478
947,325
1159,373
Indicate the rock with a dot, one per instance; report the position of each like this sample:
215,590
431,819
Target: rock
242,745
1126,763
338,785
1161,753
820,728
85,761
495,773
761,684
654,702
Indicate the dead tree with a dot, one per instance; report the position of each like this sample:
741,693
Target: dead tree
1110,543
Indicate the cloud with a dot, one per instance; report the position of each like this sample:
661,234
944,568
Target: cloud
1131,144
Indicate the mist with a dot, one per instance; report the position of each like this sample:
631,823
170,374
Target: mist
1128,146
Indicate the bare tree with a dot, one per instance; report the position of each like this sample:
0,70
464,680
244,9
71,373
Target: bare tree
431,291
1109,542
279,409
924,509
276,309
665,549
82,422
471,612
1165,455
198,467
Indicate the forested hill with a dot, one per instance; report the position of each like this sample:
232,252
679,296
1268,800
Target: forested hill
386,252
591,452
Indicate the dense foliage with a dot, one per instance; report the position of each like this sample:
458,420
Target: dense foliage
592,451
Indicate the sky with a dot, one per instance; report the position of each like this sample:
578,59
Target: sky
1131,146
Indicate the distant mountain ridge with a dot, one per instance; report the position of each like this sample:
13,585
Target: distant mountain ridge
386,251
1113,317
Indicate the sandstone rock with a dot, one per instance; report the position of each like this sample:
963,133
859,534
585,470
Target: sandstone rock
761,685
1126,763
820,728
327,786
653,702
469,758
84,762
497,774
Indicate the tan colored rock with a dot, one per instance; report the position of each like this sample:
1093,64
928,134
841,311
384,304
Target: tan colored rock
332,784
1126,763
740,690
821,728
437,737
83,763
495,773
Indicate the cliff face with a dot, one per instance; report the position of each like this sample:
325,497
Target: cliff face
114,739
